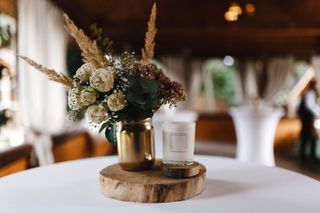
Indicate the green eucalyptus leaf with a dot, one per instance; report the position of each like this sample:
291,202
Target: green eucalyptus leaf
111,134
103,126
136,113
141,85
134,98
143,93
142,97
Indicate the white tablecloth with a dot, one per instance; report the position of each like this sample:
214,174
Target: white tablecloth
231,186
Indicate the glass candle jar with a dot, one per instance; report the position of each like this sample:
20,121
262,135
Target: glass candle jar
178,142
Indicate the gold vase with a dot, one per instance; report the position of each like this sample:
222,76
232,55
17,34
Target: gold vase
135,140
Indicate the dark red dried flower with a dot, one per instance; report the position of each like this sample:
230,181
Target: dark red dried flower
170,92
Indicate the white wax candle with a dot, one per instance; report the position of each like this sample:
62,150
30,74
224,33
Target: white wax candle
178,142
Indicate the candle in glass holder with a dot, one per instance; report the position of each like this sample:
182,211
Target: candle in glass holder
178,142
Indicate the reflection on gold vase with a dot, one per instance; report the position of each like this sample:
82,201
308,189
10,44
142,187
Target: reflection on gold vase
135,140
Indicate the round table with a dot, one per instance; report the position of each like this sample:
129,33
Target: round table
231,186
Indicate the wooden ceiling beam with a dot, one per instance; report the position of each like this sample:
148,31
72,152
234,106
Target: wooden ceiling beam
278,27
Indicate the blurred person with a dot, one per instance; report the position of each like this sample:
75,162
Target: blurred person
308,111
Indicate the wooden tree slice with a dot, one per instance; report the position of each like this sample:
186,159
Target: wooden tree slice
180,171
149,186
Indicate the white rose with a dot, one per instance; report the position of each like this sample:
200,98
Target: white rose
102,79
74,98
87,96
116,102
97,113
84,72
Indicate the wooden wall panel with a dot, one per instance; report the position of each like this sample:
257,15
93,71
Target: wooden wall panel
216,127
71,146
78,145
13,167
15,159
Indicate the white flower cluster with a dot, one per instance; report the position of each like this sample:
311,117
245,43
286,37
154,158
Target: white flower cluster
91,93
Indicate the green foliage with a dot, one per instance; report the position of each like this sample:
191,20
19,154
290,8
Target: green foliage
142,93
298,70
223,80
103,126
142,97
110,133
104,43
107,124
5,34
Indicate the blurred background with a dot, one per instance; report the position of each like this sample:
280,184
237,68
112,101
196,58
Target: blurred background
244,64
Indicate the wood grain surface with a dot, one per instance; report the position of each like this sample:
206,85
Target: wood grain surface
149,186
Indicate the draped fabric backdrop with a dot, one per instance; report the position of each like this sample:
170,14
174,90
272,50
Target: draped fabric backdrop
277,73
251,85
262,81
209,89
195,83
43,103
175,68
199,76
315,62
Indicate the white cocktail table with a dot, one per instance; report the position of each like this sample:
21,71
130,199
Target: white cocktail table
232,186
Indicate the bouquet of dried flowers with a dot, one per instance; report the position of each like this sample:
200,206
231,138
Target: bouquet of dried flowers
111,89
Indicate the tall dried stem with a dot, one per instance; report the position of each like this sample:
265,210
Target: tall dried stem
51,73
148,51
90,51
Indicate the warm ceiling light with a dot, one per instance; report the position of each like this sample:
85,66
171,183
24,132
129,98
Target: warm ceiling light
233,12
234,7
231,16
250,9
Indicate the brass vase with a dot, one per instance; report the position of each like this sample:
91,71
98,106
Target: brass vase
135,140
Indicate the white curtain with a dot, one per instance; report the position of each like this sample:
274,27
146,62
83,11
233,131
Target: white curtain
41,37
262,81
195,83
209,89
278,70
315,62
175,69
251,85
246,84
200,75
